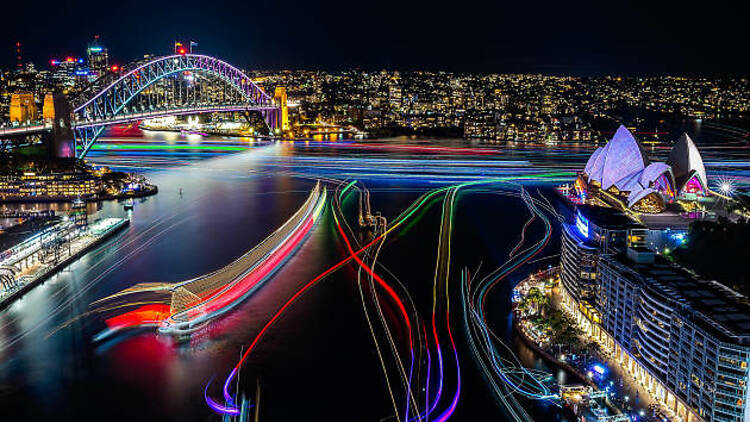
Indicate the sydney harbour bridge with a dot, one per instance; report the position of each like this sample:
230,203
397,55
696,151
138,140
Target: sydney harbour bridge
181,84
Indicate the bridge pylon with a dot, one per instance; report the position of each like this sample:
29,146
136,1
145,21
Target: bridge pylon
176,85
61,140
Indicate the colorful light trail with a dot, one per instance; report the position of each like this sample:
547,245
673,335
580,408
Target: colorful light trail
442,273
197,301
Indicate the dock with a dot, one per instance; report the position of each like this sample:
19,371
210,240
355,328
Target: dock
30,263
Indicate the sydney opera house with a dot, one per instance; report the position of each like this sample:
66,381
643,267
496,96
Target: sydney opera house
684,339
621,175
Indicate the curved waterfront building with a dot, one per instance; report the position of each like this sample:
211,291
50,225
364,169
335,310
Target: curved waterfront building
686,340
651,331
595,231
578,264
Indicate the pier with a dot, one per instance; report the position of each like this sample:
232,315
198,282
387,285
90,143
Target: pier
29,263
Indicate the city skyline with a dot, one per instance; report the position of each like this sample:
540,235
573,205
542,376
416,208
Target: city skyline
377,212
582,39
494,108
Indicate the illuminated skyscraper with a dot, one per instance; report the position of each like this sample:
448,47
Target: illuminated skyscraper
98,58
66,72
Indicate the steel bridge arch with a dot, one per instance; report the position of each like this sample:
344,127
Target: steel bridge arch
105,107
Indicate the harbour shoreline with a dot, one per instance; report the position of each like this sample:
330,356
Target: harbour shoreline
118,227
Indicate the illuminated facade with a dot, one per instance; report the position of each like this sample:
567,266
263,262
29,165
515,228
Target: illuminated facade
620,175
48,108
687,165
44,186
22,108
594,232
578,269
98,60
66,73
687,341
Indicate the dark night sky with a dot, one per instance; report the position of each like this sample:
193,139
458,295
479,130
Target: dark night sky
583,38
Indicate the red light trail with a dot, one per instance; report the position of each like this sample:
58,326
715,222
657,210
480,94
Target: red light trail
201,299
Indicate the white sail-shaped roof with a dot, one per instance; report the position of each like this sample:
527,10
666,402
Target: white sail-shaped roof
686,161
652,172
629,183
623,163
621,157
592,162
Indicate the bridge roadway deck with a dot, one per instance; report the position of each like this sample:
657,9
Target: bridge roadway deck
24,130
132,117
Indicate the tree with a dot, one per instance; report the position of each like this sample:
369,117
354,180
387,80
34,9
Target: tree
537,299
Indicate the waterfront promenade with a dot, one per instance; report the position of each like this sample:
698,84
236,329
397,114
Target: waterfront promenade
593,366
32,261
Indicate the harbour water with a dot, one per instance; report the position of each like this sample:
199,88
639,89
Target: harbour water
318,362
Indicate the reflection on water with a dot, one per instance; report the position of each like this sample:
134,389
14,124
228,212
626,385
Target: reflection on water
318,362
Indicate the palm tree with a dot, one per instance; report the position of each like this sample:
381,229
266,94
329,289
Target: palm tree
537,298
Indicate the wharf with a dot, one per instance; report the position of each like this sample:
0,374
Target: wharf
97,234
